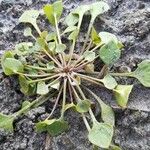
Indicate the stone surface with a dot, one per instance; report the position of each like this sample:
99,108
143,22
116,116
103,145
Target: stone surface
130,21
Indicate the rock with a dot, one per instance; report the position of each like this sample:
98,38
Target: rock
127,19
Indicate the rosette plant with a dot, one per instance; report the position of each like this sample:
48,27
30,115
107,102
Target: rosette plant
50,68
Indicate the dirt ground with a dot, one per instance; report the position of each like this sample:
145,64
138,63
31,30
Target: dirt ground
130,21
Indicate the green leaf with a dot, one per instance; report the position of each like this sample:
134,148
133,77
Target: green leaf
51,46
107,112
50,65
58,127
98,8
41,42
26,104
6,122
28,32
55,85
69,29
109,53
55,9
73,35
12,65
71,19
42,125
89,56
23,48
83,106
95,37
114,147
51,37
53,126
7,54
142,73
30,16
44,34
24,85
109,82
101,135
80,10
42,88
68,106
60,48
122,94
107,37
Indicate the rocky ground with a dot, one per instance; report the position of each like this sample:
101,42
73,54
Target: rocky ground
130,21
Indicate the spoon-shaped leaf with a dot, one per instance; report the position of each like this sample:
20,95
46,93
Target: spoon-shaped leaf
6,122
107,112
83,106
122,93
60,48
69,29
54,126
73,35
42,88
24,85
89,56
7,54
12,66
109,82
81,10
58,127
50,65
142,73
71,19
23,48
95,37
55,85
106,37
51,10
76,15
30,16
28,32
109,53
101,135
98,8
68,106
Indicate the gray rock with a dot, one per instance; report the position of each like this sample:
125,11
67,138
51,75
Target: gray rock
129,20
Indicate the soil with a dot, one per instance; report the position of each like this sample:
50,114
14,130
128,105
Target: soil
130,21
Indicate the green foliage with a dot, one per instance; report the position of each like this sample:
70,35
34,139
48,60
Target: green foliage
60,48
89,56
53,68
6,122
109,82
98,8
12,66
52,11
101,135
122,94
42,88
109,53
28,32
95,37
142,73
83,106
53,127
